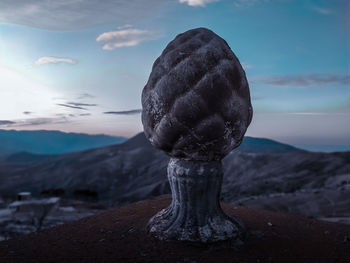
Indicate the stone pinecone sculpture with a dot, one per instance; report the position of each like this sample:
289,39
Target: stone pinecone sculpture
196,108
196,103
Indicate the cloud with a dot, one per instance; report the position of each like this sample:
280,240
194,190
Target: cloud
304,80
85,96
201,3
81,104
127,112
125,38
246,66
322,11
6,122
76,14
54,60
71,106
32,122
76,105
85,114
41,121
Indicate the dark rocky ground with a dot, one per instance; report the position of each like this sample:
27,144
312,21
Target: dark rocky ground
36,214
119,235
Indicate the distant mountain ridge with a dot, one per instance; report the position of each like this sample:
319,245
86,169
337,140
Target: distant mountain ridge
51,142
134,157
268,175
43,142
262,145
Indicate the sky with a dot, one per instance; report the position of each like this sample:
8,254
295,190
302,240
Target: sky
81,65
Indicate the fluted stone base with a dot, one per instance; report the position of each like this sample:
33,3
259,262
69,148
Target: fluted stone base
195,213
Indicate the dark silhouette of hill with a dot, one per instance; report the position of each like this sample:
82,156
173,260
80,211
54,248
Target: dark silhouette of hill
262,145
119,235
51,142
307,183
249,145
107,171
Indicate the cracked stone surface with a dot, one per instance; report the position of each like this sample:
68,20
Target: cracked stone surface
195,213
196,103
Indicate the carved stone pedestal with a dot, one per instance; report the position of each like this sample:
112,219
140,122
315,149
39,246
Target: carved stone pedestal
196,108
195,213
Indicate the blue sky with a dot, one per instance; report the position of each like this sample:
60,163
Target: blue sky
63,64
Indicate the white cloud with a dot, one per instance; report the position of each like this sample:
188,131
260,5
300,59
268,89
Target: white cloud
246,65
201,3
76,14
125,38
54,60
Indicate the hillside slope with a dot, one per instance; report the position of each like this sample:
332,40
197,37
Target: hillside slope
134,171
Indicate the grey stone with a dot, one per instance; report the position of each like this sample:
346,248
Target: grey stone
195,213
196,103
196,108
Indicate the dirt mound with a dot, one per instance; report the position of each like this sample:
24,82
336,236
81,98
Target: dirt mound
119,235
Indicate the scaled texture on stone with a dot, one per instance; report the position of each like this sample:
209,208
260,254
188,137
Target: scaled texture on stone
196,103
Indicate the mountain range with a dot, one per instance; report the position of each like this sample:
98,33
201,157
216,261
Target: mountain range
274,176
44,142
51,142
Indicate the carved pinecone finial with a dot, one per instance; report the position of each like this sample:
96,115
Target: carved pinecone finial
196,103
196,108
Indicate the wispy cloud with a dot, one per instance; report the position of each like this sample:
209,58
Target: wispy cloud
71,106
77,14
81,104
32,122
125,38
127,112
201,3
6,122
54,60
41,121
76,105
322,11
246,65
304,80
85,96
